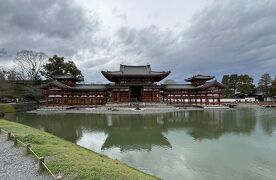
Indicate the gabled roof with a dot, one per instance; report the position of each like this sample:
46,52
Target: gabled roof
199,77
143,71
127,69
76,87
179,86
65,77
55,83
190,86
212,83
89,86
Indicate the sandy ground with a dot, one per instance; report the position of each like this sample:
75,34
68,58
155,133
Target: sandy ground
122,110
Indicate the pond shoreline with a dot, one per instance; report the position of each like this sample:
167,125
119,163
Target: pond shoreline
124,110
132,110
71,160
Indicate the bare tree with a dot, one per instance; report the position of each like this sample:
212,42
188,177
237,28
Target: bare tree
29,64
2,74
9,74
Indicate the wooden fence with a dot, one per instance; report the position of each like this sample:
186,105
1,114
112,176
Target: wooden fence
42,165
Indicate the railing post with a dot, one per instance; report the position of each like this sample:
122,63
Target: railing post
28,148
41,166
9,135
15,141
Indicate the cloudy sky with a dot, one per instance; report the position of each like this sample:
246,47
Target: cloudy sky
213,37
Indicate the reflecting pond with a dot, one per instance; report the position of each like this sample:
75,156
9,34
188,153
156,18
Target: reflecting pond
210,144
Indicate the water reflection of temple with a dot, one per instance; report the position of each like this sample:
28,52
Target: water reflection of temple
140,132
130,132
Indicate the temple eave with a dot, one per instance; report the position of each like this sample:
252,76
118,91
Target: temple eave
114,77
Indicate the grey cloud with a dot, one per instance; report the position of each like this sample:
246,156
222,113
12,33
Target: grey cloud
234,36
45,25
225,37
3,52
148,42
117,13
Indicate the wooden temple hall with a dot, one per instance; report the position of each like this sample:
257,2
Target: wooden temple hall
132,84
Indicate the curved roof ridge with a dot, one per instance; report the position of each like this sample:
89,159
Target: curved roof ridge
146,65
200,76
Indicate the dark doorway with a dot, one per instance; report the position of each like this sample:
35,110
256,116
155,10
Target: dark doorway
135,93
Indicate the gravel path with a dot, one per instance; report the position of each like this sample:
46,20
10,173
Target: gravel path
117,110
15,164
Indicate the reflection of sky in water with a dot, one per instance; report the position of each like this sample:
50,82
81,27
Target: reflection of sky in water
211,145
92,140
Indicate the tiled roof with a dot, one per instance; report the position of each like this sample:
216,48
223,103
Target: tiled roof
89,86
143,71
211,83
200,77
65,76
179,86
56,83
126,69
190,86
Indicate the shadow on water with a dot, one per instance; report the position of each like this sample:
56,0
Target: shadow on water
129,132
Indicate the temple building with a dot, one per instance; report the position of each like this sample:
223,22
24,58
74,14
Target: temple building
135,83
132,84
200,90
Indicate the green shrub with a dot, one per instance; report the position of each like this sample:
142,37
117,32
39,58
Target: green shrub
7,108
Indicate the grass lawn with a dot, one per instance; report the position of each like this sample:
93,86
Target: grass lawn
69,159
7,108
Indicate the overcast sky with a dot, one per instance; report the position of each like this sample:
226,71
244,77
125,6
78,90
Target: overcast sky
212,37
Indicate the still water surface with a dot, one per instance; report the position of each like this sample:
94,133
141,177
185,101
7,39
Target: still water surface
211,144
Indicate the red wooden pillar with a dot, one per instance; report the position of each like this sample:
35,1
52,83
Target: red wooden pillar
113,96
152,95
129,94
119,96
219,99
46,100
142,93
62,100
183,98
213,100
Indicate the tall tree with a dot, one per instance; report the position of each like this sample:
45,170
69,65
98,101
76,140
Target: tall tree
245,84
233,80
29,64
71,68
226,82
272,88
57,66
264,83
